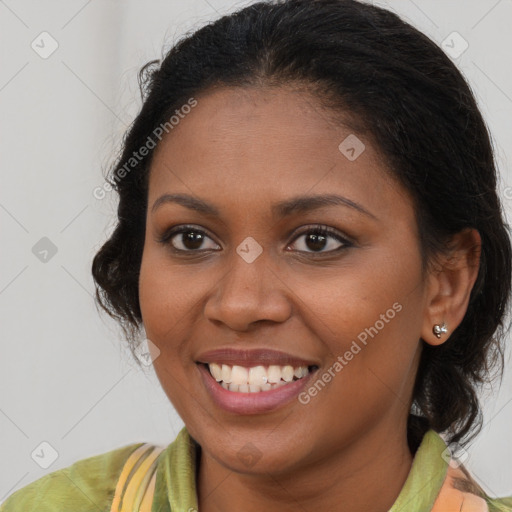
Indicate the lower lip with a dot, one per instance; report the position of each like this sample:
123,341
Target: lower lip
252,403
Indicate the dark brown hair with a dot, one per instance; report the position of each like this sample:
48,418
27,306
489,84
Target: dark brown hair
406,94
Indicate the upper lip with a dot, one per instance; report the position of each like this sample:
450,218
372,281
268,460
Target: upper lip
252,357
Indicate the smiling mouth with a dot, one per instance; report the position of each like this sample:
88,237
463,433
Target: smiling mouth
256,379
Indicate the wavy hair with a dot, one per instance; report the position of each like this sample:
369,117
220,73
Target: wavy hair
399,88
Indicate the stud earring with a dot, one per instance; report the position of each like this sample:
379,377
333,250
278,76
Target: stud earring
439,330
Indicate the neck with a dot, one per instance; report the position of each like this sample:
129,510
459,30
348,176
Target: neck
365,474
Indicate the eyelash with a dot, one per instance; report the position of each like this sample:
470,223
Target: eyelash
166,238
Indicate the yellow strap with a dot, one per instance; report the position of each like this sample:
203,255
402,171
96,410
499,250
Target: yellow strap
147,501
127,468
136,484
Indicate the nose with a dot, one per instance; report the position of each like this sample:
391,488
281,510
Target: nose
249,293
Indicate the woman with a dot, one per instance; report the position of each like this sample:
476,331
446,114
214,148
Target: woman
310,238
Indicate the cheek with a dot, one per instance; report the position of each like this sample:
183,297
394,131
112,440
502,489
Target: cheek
158,286
165,307
376,289
162,299
171,298
369,313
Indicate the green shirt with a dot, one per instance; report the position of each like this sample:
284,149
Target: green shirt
89,484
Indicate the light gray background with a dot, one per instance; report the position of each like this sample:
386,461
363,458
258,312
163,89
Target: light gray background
66,375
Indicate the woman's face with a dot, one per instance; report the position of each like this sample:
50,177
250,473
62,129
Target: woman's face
250,273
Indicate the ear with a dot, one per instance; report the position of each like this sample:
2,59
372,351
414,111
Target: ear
450,282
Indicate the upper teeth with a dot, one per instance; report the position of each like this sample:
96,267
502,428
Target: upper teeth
255,375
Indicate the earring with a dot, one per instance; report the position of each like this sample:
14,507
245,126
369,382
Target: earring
439,330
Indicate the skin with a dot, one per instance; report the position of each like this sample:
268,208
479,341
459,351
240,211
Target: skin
243,150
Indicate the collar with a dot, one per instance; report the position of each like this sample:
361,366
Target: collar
433,483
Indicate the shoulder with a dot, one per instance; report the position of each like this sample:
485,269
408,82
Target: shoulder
87,485
438,482
460,491
500,504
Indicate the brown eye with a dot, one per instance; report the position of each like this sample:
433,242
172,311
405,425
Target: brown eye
319,238
188,239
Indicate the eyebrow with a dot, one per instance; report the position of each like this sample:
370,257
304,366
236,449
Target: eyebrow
299,204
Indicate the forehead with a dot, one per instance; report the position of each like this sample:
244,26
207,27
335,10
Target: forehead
255,144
